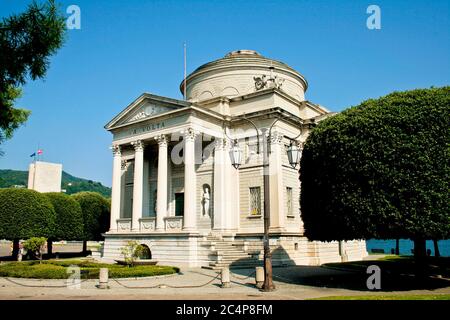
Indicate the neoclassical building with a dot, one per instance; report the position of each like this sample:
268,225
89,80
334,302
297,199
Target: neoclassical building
179,188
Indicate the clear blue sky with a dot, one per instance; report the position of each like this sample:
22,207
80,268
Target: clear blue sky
125,48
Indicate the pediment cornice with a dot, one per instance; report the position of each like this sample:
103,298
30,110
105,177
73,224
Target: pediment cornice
146,106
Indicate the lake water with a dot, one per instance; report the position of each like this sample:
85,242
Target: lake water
406,246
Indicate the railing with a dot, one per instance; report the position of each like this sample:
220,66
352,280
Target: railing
123,224
173,223
147,224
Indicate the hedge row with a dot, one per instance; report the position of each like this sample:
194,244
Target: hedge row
27,213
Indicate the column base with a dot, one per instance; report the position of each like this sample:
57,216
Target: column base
277,229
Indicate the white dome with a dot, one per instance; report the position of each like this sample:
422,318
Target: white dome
234,75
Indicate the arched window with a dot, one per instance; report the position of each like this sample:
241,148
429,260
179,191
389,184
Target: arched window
145,252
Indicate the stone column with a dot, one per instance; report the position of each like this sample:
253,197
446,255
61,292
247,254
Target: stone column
161,197
138,183
116,187
190,183
219,179
277,188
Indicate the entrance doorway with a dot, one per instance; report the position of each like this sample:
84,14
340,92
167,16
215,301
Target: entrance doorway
179,204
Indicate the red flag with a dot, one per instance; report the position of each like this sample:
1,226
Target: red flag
39,151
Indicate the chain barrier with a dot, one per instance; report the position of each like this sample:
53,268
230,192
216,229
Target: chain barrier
47,286
243,278
166,285
116,280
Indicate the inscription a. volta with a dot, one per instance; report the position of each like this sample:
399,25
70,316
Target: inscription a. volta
147,128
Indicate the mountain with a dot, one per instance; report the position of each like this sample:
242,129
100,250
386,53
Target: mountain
10,178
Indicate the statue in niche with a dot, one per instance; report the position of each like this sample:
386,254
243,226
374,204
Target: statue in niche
206,199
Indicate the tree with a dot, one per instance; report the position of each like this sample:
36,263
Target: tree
24,214
27,41
96,213
436,248
35,245
380,170
69,219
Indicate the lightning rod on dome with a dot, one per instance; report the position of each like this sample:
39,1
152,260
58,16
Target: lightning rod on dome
184,85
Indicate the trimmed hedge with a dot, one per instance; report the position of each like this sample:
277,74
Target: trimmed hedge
24,214
57,269
69,218
380,170
96,212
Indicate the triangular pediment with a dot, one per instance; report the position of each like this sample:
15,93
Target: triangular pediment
146,106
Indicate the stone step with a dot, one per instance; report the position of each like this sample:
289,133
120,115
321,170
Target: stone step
233,267
230,251
236,265
233,257
238,260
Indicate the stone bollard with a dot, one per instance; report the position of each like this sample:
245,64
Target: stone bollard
259,277
225,278
103,280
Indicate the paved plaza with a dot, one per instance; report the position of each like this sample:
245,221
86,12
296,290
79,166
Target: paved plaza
297,282
193,284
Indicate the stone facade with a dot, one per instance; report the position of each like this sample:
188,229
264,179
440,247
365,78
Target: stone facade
175,188
45,176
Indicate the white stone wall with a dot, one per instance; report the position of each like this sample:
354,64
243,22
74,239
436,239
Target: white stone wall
45,176
250,177
175,250
195,251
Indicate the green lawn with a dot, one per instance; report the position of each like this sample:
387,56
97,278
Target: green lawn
58,269
389,297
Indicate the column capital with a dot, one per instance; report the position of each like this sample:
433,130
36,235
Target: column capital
116,149
162,140
138,145
276,137
190,134
222,143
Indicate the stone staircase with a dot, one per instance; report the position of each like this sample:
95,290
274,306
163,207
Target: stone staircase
231,253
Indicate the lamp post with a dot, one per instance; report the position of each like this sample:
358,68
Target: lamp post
294,153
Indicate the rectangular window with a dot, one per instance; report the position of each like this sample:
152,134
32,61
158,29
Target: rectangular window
179,204
255,201
289,201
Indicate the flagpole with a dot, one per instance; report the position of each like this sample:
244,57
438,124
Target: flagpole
184,86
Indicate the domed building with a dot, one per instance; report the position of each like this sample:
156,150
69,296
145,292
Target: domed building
192,178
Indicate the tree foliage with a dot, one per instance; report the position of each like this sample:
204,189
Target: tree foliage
35,245
69,218
380,170
24,214
27,41
96,213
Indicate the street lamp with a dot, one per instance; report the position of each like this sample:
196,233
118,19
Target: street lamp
236,155
294,153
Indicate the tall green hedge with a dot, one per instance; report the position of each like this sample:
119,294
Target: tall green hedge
96,212
380,170
24,214
69,218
